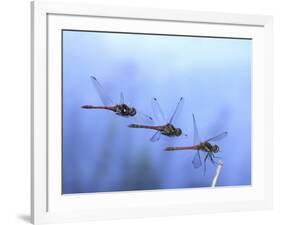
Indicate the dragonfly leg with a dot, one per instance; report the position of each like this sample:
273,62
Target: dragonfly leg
216,157
213,161
205,159
212,156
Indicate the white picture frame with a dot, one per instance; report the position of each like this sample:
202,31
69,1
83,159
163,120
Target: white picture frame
48,205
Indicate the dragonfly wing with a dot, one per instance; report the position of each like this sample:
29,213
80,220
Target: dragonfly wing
122,98
177,110
196,137
158,112
196,162
218,137
156,136
104,98
182,137
143,118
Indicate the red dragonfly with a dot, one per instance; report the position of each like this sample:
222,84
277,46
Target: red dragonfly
167,129
209,150
121,109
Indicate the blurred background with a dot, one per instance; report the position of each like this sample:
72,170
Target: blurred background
101,154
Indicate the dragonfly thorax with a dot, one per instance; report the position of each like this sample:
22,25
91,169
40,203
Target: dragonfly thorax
125,110
170,130
207,147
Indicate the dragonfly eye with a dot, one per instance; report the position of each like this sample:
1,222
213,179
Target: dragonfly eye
132,111
178,132
216,148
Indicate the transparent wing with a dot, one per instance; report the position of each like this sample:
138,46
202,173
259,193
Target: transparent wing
104,98
122,98
196,137
218,137
156,136
142,118
196,162
158,112
183,136
177,110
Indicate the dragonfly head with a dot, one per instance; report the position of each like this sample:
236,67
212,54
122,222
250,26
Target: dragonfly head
125,110
132,111
215,148
178,132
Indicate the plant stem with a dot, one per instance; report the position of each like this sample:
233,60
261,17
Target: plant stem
218,170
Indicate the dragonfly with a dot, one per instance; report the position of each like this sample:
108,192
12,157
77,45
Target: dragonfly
120,109
167,128
206,147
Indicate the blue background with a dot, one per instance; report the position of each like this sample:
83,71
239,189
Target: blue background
101,154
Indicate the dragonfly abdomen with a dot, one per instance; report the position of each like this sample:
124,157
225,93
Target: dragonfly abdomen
181,148
144,126
112,108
